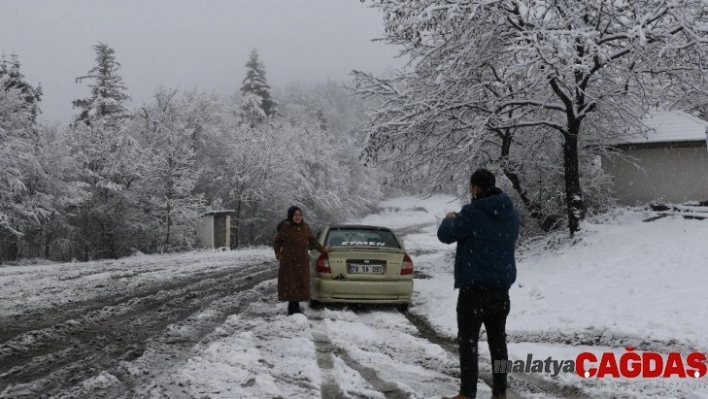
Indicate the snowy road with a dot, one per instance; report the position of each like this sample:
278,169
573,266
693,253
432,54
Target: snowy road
51,350
173,337
175,327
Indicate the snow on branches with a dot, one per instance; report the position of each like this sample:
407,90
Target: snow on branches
483,74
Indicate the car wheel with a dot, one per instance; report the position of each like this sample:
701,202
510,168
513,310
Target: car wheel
403,307
315,304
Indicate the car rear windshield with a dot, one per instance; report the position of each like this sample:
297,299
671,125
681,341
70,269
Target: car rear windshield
361,237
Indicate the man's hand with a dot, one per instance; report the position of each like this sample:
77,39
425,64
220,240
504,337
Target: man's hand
327,248
451,214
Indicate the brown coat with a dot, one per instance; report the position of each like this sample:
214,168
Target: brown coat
291,245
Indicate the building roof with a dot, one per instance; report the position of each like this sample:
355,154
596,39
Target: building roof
670,127
219,212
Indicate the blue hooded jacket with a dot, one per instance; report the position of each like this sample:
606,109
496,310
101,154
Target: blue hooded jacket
486,231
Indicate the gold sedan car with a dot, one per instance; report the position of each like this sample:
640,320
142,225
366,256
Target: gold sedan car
367,264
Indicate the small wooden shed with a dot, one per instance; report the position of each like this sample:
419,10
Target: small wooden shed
214,229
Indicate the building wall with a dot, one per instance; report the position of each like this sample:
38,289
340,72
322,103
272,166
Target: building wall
220,230
205,231
673,175
228,231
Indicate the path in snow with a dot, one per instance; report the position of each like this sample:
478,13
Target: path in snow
53,351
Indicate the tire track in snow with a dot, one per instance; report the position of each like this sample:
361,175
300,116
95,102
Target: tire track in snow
325,359
326,352
398,364
19,324
520,384
60,360
168,353
388,389
263,329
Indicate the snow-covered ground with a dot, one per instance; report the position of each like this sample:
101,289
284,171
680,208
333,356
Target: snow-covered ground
34,288
622,277
622,282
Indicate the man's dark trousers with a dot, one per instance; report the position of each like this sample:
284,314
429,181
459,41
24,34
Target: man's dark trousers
476,307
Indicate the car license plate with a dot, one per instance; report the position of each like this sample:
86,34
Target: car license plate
365,269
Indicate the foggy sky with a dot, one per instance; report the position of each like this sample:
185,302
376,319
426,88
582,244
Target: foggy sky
189,44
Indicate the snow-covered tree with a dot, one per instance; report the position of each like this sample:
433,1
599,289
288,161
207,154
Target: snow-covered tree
53,186
14,114
12,78
486,72
108,94
333,104
257,103
288,162
260,170
171,173
250,110
333,117
110,185
109,162
331,179
259,165
22,203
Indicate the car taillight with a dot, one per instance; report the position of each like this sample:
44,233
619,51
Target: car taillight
407,265
323,264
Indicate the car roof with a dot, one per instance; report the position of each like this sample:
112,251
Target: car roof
357,227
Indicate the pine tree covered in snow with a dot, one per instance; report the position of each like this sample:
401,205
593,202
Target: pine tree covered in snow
12,78
108,94
257,104
109,162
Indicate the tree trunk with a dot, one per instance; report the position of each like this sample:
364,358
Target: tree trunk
13,249
47,245
168,247
573,193
545,221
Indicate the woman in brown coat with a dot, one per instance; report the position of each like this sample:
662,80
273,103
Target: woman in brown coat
291,244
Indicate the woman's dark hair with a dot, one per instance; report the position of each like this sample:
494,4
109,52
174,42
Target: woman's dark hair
291,212
483,179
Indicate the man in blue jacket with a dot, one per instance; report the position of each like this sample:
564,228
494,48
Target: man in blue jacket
485,268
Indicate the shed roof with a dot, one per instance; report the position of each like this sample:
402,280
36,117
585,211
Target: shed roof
218,212
670,127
